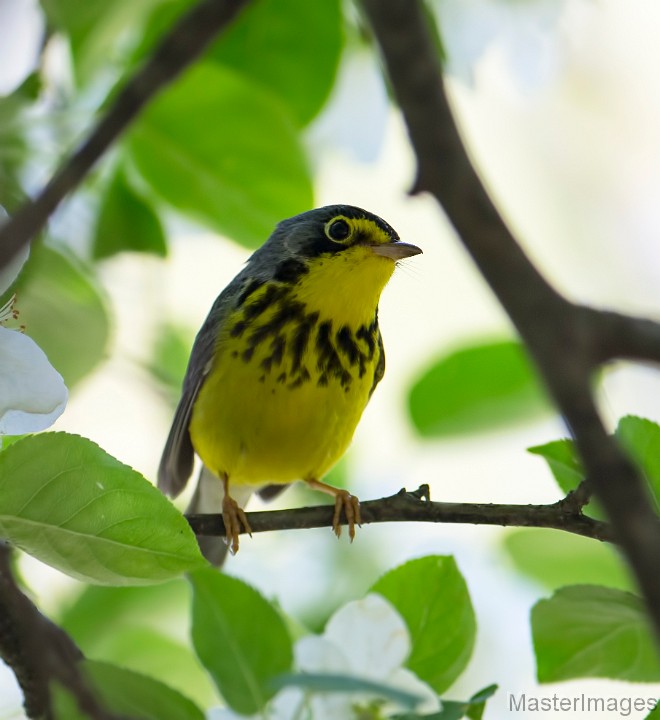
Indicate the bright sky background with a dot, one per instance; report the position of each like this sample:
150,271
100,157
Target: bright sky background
560,104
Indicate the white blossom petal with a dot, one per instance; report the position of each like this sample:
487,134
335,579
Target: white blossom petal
21,33
286,705
316,654
373,636
32,392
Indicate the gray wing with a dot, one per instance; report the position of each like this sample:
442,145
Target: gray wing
176,463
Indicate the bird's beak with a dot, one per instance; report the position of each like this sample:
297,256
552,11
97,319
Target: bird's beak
396,250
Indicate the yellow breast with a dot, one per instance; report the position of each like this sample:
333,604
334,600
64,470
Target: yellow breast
293,372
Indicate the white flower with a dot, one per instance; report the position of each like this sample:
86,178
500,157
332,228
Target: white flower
365,639
21,33
32,392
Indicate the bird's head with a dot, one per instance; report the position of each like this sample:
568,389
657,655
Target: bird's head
337,252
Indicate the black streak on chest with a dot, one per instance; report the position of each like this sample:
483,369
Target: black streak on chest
289,331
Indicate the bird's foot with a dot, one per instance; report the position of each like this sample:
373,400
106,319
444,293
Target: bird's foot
343,501
351,507
235,522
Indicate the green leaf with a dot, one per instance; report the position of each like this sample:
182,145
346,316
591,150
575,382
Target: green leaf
431,596
555,558
641,439
302,42
655,712
73,506
563,461
592,631
141,630
126,221
96,29
65,706
566,467
240,638
328,683
63,311
14,148
218,148
477,703
7,440
152,606
137,696
455,710
479,387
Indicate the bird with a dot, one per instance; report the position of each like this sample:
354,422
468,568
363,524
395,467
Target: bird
284,366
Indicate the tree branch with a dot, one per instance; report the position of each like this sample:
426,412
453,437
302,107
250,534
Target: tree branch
183,44
38,651
565,340
417,507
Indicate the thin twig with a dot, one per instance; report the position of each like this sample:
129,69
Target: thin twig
416,507
183,44
565,340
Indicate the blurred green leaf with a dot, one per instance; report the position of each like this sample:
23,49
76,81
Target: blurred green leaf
478,702
216,147
63,311
14,149
592,631
169,358
301,41
73,506
126,221
141,630
566,468
563,461
432,598
455,710
241,639
479,387
555,558
329,683
641,439
65,706
137,696
154,606
97,30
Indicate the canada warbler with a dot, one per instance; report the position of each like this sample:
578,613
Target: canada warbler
284,365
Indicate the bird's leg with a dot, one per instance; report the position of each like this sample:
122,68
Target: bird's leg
233,517
343,500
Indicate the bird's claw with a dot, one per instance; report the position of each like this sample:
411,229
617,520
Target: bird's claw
235,522
351,507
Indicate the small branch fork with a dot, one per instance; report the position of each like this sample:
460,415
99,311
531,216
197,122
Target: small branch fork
417,507
567,341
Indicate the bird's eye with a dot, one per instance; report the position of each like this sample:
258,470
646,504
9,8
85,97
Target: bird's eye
338,230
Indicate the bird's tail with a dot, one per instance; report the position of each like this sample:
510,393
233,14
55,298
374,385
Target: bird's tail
208,499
